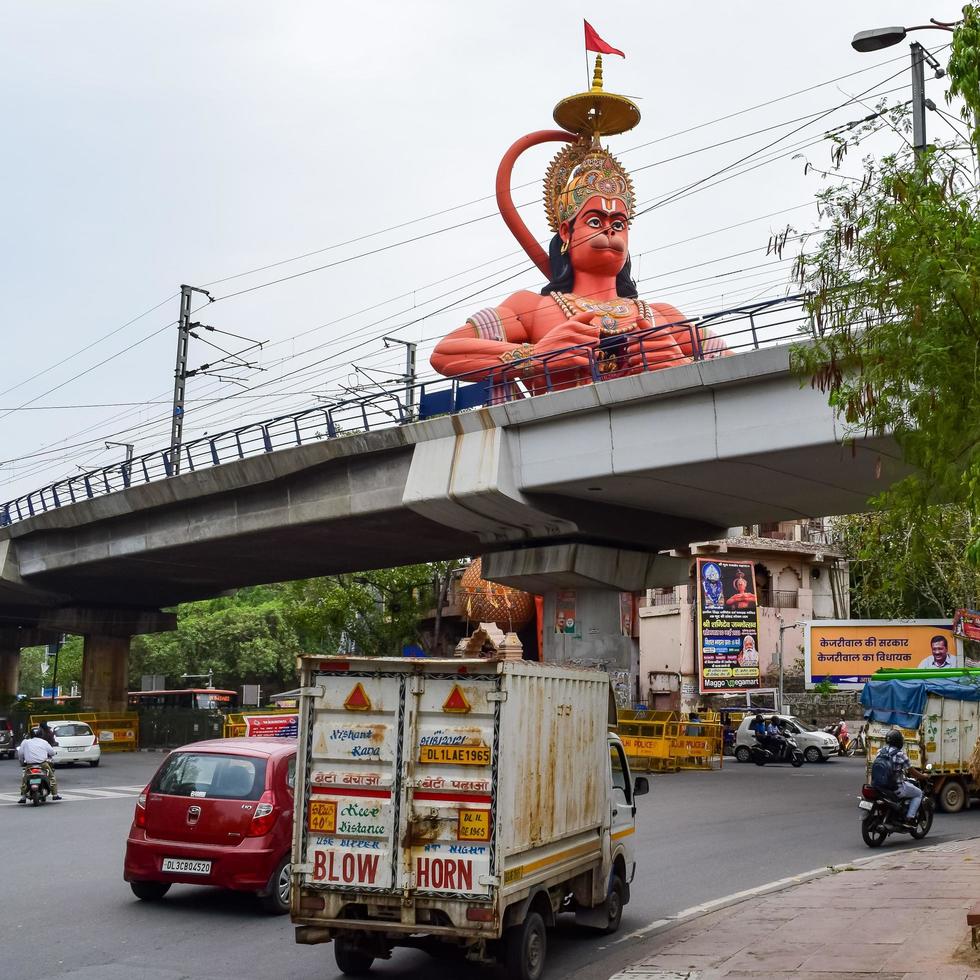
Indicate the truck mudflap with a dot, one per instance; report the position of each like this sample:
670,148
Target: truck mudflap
400,773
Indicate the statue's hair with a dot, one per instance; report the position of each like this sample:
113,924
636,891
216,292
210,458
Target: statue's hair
563,276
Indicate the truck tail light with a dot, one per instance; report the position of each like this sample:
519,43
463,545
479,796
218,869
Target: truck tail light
474,914
139,817
264,817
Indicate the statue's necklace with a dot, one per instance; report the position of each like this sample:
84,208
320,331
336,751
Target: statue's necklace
608,312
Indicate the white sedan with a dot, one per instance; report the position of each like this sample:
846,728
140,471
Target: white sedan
76,743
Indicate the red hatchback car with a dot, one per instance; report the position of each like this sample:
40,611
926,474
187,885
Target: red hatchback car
217,813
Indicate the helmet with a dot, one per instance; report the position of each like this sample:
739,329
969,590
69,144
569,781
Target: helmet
895,738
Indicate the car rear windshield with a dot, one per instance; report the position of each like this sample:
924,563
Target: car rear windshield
72,730
210,776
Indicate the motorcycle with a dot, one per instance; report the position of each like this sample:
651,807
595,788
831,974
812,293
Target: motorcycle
38,784
884,813
845,745
786,751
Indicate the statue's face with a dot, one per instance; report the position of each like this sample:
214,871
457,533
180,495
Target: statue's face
598,240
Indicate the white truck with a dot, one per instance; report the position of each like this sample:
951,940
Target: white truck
457,806
945,737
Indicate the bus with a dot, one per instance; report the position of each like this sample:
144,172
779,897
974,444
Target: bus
198,698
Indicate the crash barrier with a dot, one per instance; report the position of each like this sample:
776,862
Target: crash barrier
276,722
116,732
668,741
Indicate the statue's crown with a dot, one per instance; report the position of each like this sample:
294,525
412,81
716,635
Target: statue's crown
580,171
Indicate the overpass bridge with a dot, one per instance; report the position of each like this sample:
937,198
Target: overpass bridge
575,487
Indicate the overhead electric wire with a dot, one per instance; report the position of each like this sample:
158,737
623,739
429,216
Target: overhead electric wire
144,425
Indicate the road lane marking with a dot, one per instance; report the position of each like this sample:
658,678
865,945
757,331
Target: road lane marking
81,795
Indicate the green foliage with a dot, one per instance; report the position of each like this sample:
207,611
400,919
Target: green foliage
823,688
891,579
255,635
964,67
894,286
69,667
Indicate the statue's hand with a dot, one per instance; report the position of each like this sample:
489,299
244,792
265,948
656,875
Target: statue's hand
579,331
656,350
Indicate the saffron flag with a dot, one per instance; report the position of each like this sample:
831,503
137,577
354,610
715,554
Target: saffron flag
595,43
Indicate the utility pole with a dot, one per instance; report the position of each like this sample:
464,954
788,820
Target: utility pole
180,373
918,97
410,373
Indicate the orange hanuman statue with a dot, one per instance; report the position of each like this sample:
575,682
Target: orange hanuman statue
590,302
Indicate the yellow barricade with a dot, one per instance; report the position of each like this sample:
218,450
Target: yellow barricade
117,732
665,741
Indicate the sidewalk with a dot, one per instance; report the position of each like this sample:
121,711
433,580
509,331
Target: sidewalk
900,916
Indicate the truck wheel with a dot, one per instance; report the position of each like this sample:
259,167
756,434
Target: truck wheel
742,754
351,961
614,905
952,796
525,948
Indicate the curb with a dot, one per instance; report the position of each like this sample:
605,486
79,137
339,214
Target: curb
688,915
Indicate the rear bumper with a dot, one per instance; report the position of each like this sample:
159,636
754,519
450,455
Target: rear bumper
63,756
246,867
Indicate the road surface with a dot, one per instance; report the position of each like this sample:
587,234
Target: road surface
68,914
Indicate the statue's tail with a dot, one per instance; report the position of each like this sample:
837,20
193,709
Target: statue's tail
505,202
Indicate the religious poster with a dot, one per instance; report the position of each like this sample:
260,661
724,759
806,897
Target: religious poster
727,633
847,652
626,602
565,619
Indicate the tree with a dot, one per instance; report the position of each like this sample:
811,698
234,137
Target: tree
894,293
891,580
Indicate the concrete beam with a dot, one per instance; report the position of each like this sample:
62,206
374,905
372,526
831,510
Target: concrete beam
583,566
108,622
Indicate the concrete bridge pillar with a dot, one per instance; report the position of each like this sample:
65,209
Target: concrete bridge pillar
9,671
105,654
588,605
105,672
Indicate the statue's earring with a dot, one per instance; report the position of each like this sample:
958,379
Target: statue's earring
564,247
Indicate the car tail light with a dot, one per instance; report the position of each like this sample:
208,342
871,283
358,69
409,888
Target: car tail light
869,792
139,817
264,817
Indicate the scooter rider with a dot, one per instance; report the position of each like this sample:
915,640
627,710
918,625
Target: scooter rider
894,750
36,750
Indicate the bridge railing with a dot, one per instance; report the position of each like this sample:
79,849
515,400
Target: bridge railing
747,327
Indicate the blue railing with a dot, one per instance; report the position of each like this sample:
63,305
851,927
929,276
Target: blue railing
743,328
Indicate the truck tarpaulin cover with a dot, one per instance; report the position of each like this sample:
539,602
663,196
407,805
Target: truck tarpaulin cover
902,702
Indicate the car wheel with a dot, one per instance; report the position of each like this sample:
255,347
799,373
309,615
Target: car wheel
742,754
351,961
276,900
150,891
812,754
94,762
952,796
525,948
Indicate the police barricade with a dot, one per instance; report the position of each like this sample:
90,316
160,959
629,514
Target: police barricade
665,741
268,722
646,737
116,732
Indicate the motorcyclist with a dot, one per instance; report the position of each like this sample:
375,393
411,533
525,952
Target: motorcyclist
36,750
45,732
894,749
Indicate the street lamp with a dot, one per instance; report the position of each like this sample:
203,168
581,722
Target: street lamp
885,37
782,629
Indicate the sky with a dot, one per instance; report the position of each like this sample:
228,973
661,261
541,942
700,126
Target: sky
149,145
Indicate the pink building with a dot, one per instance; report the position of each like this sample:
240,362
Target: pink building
798,576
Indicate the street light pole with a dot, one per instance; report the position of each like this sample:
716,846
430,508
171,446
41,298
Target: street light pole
782,628
918,97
